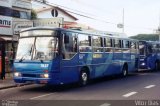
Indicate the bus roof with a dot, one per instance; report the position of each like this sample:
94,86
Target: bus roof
102,33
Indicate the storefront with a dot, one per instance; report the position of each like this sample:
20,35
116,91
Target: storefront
5,42
14,16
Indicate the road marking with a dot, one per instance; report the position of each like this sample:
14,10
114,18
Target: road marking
129,94
41,96
106,104
150,86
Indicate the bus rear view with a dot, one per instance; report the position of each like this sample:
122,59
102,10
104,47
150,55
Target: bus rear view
37,51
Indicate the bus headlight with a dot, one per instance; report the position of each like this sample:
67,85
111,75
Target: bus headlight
44,75
17,74
143,64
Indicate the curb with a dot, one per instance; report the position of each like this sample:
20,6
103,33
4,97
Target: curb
14,85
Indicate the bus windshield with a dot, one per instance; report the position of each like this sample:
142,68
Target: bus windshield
37,48
142,49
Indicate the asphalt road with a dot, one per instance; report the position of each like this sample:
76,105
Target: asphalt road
138,86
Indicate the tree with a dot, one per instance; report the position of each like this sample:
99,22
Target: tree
33,14
148,37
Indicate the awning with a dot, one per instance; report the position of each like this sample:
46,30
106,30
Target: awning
8,38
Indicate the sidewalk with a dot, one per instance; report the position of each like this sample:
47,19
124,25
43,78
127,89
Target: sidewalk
8,82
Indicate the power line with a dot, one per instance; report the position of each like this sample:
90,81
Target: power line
86,16
74,11
56,5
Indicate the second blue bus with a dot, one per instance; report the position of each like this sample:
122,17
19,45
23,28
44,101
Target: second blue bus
149,55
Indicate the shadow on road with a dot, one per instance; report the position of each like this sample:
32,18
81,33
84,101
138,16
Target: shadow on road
95,82
74,86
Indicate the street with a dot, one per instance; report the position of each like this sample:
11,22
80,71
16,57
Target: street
137,86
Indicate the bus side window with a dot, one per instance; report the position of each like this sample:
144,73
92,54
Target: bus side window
70,45
133,47
97,44
107,44
117,43
84,43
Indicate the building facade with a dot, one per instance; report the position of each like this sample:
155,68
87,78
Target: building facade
51,12
14,15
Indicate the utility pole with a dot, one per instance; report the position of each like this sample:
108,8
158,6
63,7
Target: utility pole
121,25
123,21
158,31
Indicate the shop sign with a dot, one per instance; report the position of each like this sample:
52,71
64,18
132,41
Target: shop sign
51,22
5,25
18,25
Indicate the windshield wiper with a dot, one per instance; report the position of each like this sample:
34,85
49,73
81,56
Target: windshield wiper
22,59
30,51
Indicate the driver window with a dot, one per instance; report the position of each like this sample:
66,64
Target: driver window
69,45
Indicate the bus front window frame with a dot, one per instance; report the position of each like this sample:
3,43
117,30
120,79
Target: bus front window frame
48,50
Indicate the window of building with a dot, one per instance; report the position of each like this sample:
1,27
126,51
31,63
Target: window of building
5,11
23,15
16,14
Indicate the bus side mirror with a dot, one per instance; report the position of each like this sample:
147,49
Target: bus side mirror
66,39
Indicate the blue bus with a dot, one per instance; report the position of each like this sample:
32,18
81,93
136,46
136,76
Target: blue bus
62,56
149,55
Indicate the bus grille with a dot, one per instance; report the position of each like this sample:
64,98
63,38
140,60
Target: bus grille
29,75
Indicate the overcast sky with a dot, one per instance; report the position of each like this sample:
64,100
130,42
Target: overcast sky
140,16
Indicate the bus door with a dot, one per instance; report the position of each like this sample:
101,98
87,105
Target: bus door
142,55
69,57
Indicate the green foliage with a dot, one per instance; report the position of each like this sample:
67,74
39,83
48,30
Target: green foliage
148,37
33,15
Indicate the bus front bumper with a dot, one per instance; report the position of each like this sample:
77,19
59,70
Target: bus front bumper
42,78
32,80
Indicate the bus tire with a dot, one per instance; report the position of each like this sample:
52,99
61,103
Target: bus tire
124,71
84,77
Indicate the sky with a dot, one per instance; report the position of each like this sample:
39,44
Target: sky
140,16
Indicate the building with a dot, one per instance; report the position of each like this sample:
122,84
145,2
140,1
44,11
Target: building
47,11
14,15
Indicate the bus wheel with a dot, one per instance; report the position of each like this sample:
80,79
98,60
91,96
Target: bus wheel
124,71
83,78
